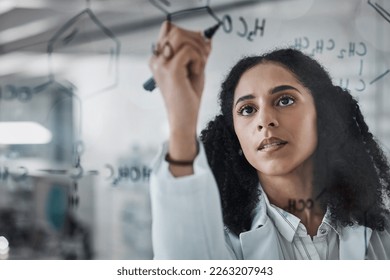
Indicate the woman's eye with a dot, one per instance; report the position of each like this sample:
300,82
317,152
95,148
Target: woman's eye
285,101
247,110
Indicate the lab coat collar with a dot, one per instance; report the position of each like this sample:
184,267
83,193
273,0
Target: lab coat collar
327,220
285,223
261,242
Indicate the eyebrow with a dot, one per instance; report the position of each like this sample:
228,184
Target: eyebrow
273,91
282,88
245,97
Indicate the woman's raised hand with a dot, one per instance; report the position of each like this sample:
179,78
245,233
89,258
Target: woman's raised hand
178,65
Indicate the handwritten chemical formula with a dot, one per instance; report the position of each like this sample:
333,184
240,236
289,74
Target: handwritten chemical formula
356,50
243,27
132,173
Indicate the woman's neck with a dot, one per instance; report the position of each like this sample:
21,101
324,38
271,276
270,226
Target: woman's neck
293,192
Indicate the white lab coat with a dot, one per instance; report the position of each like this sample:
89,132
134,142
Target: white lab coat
188,224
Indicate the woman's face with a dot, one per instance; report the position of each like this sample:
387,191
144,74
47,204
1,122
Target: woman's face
275,120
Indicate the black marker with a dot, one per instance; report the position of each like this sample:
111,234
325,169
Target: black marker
150,84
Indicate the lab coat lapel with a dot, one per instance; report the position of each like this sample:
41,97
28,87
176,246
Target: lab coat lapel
261,243
353,242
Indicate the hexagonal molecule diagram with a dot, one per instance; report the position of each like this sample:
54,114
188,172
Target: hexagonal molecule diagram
84,53
179,12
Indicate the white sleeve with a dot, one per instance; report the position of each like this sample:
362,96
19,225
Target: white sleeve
186,212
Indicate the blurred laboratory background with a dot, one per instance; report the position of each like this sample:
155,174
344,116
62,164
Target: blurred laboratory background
78,133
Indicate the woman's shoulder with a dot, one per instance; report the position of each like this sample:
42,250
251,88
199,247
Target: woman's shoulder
379,247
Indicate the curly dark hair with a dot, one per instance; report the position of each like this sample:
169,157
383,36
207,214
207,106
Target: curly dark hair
351,172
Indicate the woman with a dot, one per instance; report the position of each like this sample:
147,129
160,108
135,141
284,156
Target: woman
288,170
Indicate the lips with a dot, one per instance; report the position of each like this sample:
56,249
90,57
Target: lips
272,143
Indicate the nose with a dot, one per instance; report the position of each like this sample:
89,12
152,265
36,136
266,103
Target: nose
267,119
